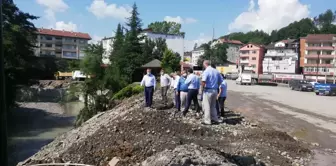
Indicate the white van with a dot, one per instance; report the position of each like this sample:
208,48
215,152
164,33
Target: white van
244,79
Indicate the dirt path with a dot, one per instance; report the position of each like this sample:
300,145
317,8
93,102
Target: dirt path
315,129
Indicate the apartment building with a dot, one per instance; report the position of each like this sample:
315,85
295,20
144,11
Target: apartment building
251,57
319,57
232,50
195,55
282,57
61,44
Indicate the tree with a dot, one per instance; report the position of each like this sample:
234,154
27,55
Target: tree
324,22
195,46
101,79
170,61
117,46
132,51
19,36
160,48
216,55
166,27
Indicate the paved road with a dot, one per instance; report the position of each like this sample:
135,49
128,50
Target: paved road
304,115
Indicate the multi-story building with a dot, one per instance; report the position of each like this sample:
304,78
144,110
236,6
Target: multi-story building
195,55
251,56
282,57
61,44
232,50
319,57
107,43
187,57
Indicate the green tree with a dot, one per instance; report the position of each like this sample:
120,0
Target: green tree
170,61
117,46
166,27
216,54
19,36
102,79
132,50
325,22
160,48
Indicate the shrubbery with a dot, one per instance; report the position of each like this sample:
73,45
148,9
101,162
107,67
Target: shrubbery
128,91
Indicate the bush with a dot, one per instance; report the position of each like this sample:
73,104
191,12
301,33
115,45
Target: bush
128,91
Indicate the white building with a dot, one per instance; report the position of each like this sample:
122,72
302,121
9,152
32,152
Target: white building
174,42
195,55
107,45
282,57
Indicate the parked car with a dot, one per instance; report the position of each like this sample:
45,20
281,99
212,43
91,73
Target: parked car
231,76
301,85
313,84
325,89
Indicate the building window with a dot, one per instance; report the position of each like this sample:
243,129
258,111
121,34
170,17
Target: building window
253,66
58,38
277,67
253,52
48,45
254,58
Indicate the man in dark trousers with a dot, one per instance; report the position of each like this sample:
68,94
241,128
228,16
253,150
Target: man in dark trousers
149,82
193,83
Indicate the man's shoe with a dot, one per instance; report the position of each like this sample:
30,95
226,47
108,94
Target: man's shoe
184,113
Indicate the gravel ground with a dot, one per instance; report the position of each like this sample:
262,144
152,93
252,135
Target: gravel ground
136,136
303,115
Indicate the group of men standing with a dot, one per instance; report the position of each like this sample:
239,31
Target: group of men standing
187,85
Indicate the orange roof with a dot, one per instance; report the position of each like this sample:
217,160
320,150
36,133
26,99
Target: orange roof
223,40
320,36
62,33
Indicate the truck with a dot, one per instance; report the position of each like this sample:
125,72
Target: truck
325,89
62,75
74,75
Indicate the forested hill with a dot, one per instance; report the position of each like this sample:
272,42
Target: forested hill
321,24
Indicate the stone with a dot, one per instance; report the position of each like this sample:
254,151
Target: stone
113,162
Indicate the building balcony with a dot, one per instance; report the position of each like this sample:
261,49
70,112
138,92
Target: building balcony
244,55
244,61
315,56
319,65
318,73
48,48
320,48
70,49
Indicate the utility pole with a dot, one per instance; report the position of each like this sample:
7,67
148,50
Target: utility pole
3,107
334,65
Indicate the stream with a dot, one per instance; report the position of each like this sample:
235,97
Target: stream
35,124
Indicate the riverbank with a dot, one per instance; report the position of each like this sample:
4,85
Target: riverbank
35,124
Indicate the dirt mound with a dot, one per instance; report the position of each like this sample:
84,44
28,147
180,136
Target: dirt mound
187,155
136,135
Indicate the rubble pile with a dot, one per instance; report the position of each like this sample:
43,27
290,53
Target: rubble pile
132,135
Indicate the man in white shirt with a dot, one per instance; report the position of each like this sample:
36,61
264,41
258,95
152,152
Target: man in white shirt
177,101
149,82
165,83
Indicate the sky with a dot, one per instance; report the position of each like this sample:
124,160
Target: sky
200,19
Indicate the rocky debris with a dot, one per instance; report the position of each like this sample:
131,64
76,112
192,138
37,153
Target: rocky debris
135,135
52,84
187,155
